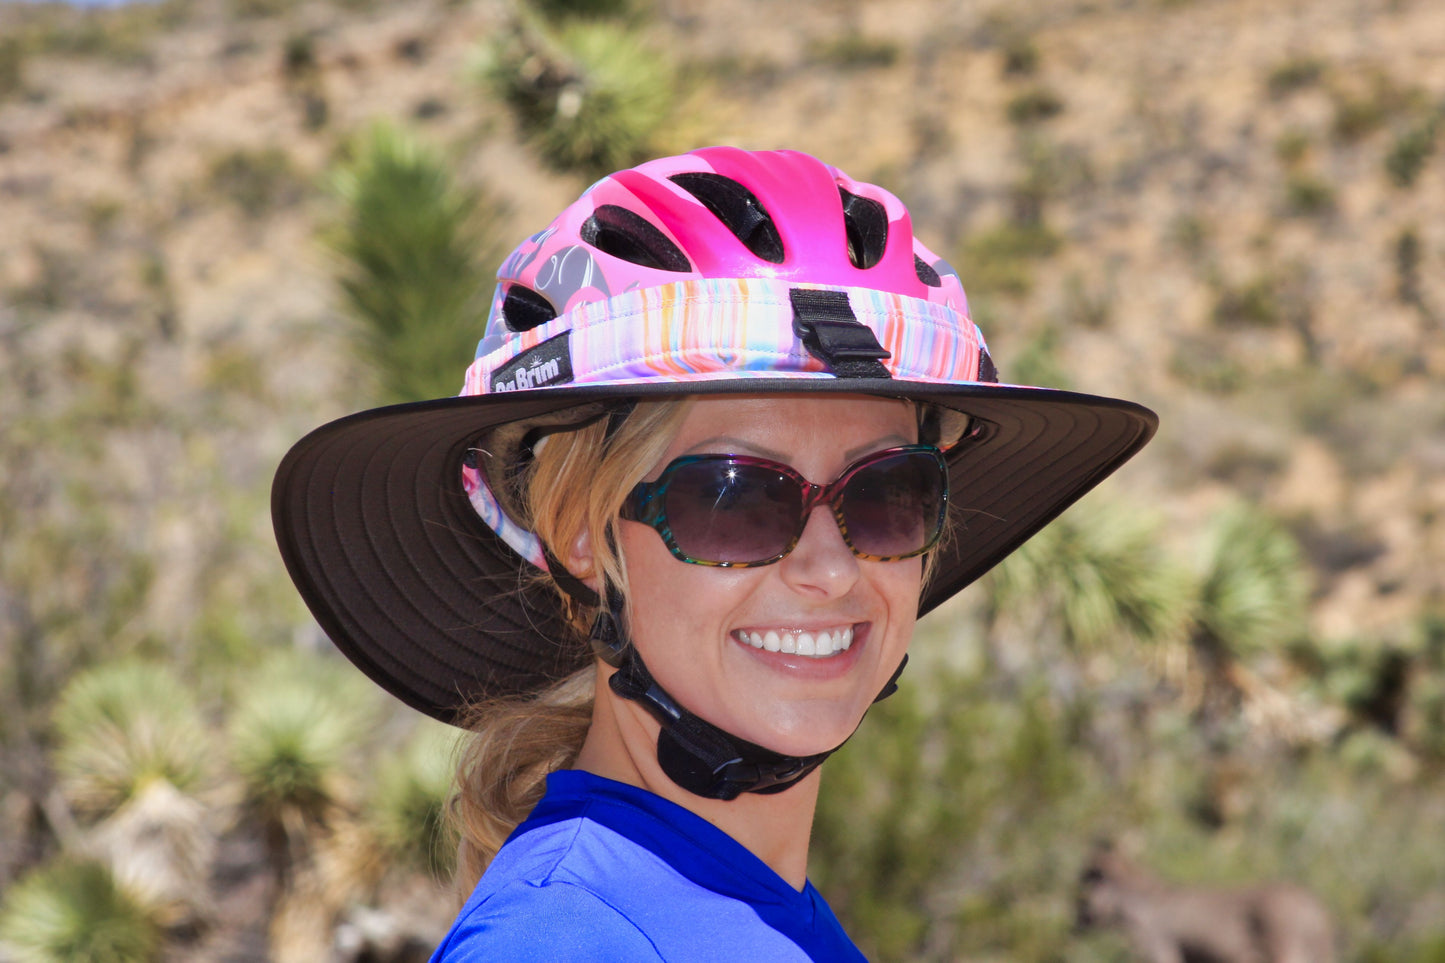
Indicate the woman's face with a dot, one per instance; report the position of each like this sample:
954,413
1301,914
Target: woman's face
694,625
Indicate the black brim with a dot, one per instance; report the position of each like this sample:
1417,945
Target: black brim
385,548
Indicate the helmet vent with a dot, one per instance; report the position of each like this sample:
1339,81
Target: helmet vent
867,225
739,210
523,309
926,273
627,235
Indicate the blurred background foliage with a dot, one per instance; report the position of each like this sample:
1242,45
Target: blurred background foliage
229,220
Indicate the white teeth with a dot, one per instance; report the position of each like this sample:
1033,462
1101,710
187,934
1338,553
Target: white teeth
816,644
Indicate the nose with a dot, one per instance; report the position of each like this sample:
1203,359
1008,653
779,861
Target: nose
821,565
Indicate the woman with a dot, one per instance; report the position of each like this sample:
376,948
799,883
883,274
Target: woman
729,432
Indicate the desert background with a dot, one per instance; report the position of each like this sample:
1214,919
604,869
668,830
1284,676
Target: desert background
219,220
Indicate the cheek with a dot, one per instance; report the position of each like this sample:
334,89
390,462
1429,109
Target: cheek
675,605
900,584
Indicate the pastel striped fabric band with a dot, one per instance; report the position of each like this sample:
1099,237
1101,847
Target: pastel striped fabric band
704,329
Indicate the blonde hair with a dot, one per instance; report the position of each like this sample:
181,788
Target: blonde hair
576,483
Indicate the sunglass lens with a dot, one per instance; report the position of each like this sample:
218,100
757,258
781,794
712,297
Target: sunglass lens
892,506
722,511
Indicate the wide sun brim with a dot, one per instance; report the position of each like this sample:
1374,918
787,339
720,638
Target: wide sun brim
409,583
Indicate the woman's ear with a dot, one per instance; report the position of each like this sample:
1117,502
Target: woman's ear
581,562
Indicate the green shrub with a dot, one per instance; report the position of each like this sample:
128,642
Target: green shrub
1407,255
854,51
1407,156
298,56
1036,361
1000,259
1361,112
1094,578
1207,364
1254,585
1244,466
121,726
12,67
256,181
261,9
295,723
74,912
1085,305
1020,56
1296,73
102,214
415,250
592,98
119,34
1190,233
408,802
1307,195
1034,105
893,817
1256,303
1292,147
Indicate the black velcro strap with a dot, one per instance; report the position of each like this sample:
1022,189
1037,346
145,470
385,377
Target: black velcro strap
825,323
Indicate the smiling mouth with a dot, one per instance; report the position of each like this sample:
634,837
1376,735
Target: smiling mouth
817,645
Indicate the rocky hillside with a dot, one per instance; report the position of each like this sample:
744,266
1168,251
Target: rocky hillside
1231,210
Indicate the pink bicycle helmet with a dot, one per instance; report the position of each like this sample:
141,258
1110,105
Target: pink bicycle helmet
719,271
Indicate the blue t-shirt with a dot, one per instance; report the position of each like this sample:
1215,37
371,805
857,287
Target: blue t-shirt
604,871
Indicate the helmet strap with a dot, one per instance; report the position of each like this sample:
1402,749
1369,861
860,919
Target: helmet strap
826,325
694,753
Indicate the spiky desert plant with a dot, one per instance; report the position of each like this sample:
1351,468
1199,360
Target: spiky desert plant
592,96
295,725
1254,587
416,253
1096,577
1252,596
75,912
408,801
121,727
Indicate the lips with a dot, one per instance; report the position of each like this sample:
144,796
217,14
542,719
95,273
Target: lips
817,644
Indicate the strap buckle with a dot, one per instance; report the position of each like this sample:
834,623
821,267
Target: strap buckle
824,322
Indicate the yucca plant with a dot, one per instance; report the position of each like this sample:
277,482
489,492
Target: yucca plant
76,912
298,729
296,725
133,750
1252,596
292,727
121,727
1253,588
417,252
592,96
1094,578
409,799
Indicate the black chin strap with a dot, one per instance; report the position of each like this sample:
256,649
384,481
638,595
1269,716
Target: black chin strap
695,754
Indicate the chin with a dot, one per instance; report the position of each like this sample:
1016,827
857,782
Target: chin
805,735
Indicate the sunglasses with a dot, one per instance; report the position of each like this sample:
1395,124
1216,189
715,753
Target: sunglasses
736,511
